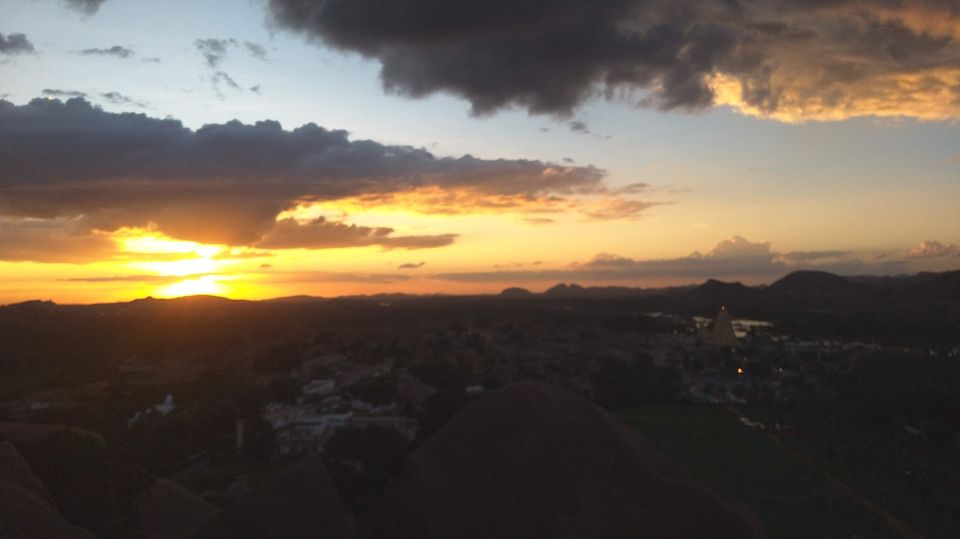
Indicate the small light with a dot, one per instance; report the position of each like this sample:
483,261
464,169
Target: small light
739,371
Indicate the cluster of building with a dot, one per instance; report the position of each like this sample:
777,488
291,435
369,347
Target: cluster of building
325,407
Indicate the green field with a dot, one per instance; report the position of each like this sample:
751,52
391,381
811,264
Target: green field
790,499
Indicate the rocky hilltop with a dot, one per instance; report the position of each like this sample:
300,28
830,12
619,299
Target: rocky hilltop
531,460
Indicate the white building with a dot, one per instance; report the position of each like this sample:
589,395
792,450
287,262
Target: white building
166,406
321,388
279,415
373,409
308,433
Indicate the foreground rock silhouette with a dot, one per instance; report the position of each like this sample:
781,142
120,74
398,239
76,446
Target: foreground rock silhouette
531,460
73,467
301,502
528,460
169,511
27,509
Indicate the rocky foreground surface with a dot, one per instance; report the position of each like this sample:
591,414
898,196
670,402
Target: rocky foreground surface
528,460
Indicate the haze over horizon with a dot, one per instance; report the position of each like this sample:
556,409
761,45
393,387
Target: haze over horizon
278,147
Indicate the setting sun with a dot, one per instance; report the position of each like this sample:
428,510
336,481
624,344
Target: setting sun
205,285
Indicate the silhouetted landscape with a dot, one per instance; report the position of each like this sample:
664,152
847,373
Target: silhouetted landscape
820,406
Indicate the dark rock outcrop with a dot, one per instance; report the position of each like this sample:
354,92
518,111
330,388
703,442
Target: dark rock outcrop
14,469
74,467
26,508
531,460
169,511
302,502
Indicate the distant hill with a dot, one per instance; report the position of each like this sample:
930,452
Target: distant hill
720,289
298,298
151,306
810,282
533,460
923,307
713,294
573,290
564,290
516,292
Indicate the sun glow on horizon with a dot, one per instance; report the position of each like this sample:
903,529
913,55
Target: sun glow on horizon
200,265
204,285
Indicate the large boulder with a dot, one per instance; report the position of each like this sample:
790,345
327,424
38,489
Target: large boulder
169,511
73,466
531,460
14,469
302,502
26,508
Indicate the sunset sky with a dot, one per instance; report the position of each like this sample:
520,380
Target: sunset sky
265,148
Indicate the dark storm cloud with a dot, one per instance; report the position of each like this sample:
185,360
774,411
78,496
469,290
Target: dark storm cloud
15,44
791,59
116,50
323,234
227,183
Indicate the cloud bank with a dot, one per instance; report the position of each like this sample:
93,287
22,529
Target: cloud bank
323,234
732,258
788,59
934,249
72,166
